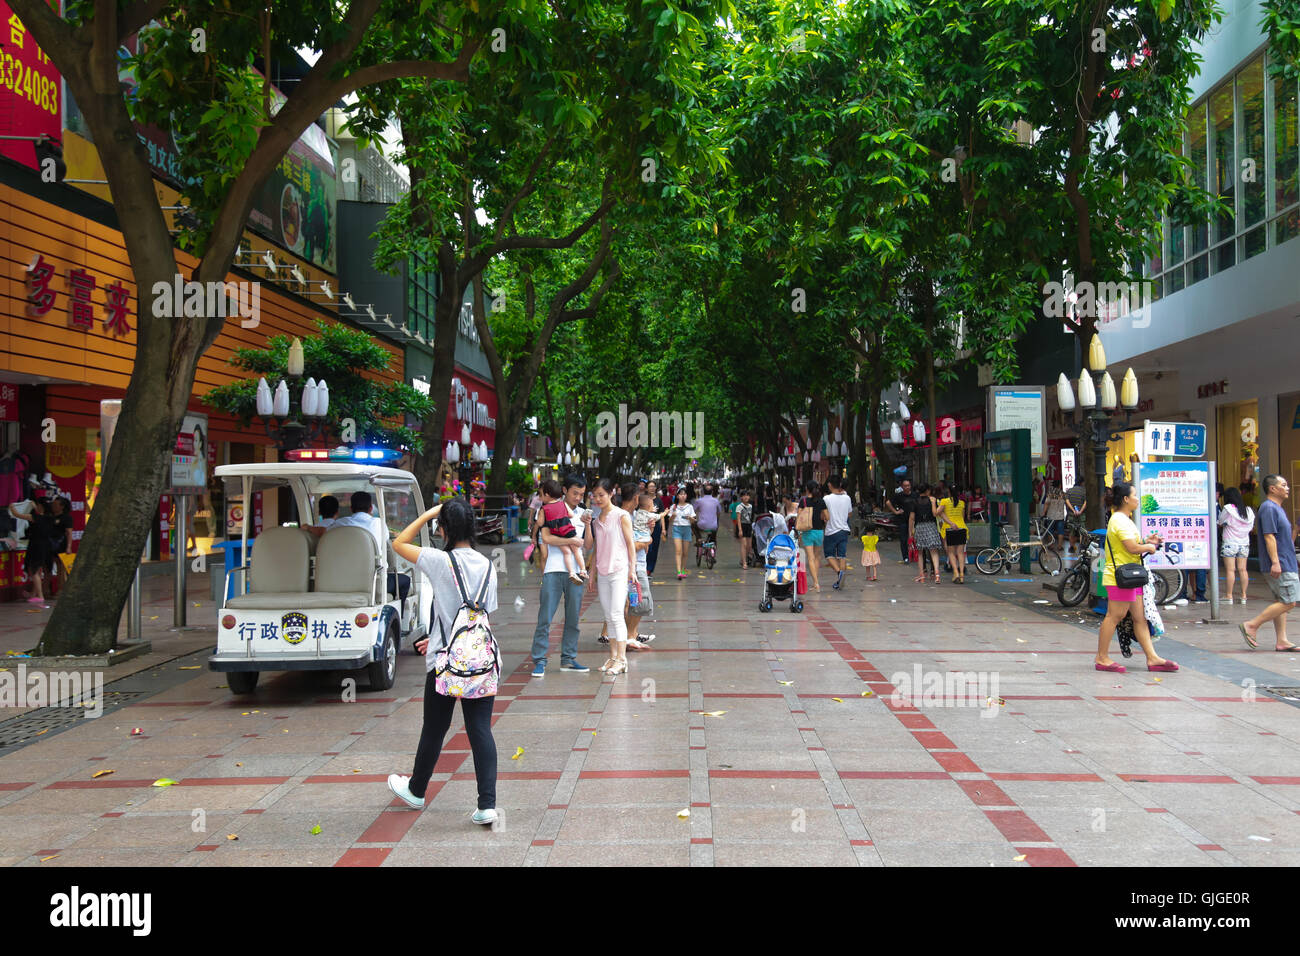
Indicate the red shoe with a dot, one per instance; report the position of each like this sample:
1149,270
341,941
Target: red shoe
1112,667
1166,666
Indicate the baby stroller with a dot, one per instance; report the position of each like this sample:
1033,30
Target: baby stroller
781,565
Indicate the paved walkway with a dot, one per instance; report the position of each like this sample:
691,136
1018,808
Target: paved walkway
756,724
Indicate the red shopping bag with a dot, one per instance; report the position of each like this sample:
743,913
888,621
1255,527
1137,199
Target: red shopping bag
801,582
913,555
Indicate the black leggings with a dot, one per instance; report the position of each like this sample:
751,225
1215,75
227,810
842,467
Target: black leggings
478,726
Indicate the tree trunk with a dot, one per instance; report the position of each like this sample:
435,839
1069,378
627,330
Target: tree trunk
446,312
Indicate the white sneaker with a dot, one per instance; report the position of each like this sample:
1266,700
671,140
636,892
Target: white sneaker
645,638
484,817
398,784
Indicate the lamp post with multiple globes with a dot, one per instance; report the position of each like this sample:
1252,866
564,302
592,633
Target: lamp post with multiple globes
274,408
1098,405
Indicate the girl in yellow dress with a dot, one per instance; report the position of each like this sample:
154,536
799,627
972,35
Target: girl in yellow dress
870,556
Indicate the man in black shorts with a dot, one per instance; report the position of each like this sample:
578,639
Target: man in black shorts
900,503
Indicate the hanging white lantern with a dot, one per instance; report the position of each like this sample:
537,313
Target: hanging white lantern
280,405
918,431
322,399
264,401
895,433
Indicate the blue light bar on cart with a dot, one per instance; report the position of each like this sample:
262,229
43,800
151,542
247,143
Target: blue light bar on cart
344,454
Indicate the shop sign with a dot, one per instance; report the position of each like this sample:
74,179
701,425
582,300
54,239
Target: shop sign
1175,502
468,409
1212,388
81,311
972,432
1069,472
8,403
33,90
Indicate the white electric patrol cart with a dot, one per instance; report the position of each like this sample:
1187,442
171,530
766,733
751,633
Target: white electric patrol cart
327,602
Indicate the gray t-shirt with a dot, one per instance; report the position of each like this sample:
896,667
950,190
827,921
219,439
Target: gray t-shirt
1273,520
436,566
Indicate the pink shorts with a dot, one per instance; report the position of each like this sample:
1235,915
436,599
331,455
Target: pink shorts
1123,594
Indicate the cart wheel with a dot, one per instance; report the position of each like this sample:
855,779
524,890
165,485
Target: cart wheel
382,673
241,682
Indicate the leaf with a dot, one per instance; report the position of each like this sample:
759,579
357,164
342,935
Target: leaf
101,773
785,683
193,667
684,813
1018,859
711,713
868,693
164,782
838,700
519,752
315,831
232,836
44,858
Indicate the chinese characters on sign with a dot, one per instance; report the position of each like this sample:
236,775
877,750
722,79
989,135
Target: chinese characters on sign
1175,503
81,311
319,629
8,403
32,90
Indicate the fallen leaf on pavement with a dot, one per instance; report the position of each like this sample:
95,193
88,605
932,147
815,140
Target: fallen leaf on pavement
1021,640
164,782
232,836
868,693
239,765
837,700
192,667
101,773
1018,859
711,713
315,831
785,683
519,752
44,858
684,813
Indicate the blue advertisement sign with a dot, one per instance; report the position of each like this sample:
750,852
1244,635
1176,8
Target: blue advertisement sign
1176,439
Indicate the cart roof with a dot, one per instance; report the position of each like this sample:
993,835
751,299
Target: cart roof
294,469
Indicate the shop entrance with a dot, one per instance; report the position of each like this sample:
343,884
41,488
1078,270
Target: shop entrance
1238,449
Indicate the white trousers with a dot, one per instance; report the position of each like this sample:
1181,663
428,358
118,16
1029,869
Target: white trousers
612,589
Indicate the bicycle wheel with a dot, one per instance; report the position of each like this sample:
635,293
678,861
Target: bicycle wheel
1049,560
1168,584
1074,586
990,561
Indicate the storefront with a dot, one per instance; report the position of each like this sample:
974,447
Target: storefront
69,346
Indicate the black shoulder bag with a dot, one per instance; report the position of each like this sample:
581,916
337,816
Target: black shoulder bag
1128,575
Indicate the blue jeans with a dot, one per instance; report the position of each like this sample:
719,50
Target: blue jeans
557,585
1198,584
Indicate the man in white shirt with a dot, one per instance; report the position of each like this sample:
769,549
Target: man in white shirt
329,511
836,541
361,517
557,587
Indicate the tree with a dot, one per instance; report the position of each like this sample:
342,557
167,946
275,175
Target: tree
362,410
195,76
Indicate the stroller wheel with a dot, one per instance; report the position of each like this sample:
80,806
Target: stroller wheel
764,606
796,608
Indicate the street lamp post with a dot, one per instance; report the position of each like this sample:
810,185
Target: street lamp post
1097,406
274,409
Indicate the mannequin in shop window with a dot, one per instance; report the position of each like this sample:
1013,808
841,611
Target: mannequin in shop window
1117,475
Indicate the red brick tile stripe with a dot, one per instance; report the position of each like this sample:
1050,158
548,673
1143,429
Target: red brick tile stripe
1014,824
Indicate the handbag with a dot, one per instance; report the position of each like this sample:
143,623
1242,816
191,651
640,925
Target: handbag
803,521
1128,576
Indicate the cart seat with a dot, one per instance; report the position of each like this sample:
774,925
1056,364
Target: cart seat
346,565
280,566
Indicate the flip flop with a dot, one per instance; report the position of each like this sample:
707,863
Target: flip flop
1284,650
1112,667
1166,666
1246,634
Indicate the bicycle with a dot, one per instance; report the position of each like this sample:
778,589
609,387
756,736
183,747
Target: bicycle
1007,554
1076,585
706,548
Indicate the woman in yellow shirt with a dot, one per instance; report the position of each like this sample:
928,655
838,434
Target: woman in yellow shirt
1124,547
953,514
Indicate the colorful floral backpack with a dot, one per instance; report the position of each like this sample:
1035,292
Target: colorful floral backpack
470,666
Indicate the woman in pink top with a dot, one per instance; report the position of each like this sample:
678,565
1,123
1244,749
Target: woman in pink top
615,569
1237,520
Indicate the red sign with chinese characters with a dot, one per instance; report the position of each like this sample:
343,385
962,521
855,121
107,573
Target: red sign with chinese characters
41,298
30,87
8,403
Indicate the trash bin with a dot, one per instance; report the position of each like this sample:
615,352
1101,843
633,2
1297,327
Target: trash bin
234,557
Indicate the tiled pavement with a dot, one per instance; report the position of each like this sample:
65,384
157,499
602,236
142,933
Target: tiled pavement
755,723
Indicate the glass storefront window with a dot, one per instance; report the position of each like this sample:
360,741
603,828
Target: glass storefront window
1224,173
1238,447
1286,145
1288,418
1198,153
1250,88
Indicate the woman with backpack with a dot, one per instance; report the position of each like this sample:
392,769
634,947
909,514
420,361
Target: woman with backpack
464,593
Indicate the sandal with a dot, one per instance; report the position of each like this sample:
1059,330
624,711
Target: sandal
1112,667
1283,650
1163,666
620,667
1246,634
603,668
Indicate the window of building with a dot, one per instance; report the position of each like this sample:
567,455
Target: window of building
1286,162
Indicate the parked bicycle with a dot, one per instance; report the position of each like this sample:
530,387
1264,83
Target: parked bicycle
1076,584
1007,554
